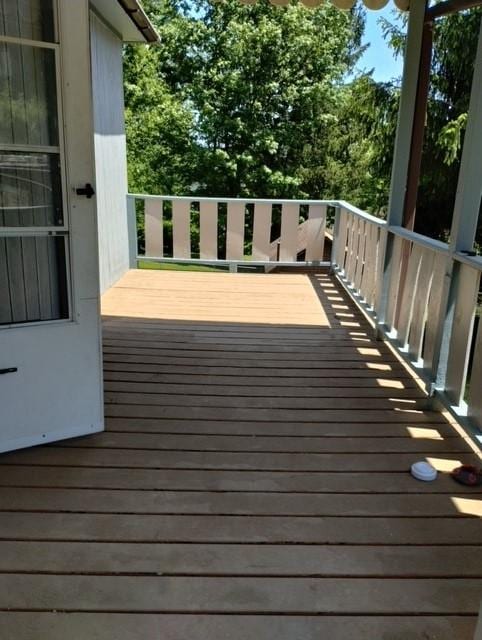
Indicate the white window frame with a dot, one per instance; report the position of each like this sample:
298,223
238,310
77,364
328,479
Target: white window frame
47,231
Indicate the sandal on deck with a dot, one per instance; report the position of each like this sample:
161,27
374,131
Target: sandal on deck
468,475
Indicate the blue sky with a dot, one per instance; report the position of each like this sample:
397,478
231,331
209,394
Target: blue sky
378,55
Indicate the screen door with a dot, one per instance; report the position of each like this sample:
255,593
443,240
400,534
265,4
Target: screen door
50,384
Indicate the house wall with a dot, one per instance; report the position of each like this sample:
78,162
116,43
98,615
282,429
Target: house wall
110,151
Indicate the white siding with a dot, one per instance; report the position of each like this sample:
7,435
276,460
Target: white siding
110,152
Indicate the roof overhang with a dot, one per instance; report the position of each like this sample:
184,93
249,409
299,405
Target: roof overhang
128,18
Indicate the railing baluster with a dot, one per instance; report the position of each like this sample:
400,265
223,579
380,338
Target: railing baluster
394,281
208,230
153,228
434,325
290,220
261,231
132,231
420,308
340,247
352,248
360,257
460,340
368,275
315,239
381,247
235,231
357,262
345,226
409,295
181,229
475,394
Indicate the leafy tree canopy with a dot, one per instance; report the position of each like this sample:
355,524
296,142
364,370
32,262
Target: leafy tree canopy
254,101
242,99
372,130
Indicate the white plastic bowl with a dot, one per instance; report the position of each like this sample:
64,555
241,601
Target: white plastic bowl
423,471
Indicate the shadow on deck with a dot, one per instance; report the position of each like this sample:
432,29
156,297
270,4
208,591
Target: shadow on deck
252,481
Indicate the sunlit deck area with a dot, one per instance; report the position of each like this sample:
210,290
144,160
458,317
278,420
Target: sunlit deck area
252,482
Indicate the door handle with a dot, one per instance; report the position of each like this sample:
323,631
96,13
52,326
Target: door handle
9,370
87,191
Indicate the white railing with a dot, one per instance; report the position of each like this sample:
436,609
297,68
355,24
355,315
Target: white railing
231,230
358,252
423,298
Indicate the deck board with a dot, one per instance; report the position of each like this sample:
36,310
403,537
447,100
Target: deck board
58,626
252,481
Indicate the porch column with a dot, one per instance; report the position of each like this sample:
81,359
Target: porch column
469,187
403,140
466,213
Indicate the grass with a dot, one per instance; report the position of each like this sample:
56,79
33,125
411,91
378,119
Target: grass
175,266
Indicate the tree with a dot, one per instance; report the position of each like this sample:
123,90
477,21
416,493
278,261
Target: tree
159,127
360,152
260,85
266,96
455,46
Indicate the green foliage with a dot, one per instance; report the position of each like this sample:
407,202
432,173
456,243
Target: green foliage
455,46
450,138
253,101
367,125
176,266
237,100
360,154
266,97
159,127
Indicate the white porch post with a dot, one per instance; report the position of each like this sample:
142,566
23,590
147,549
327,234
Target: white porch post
466,214
469,187
406,113
403,140
132,231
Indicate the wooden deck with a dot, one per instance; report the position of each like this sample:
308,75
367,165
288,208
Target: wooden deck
252,482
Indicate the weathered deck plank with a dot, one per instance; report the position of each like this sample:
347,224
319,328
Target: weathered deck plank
240,559
78,626
221,480
242,595
220,503
255,462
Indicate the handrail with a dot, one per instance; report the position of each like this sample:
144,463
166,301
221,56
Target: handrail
359,212
330,203
470,260
222,199
419,239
